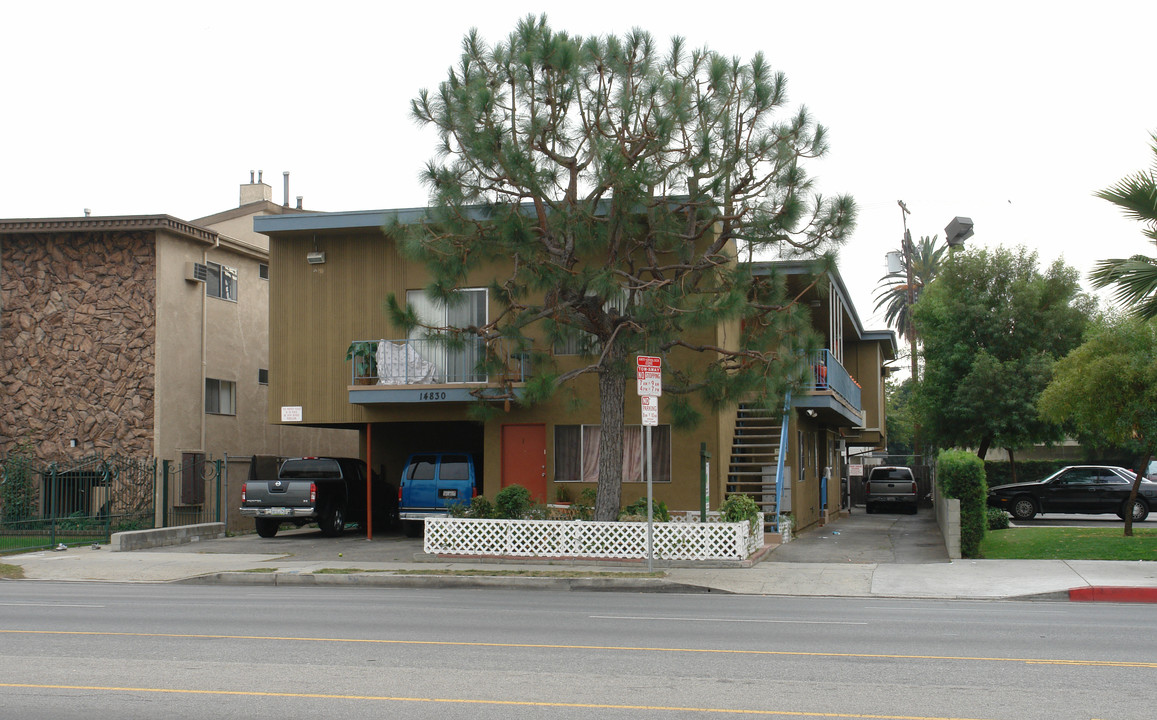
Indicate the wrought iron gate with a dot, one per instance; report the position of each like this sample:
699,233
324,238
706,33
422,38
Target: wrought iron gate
46,504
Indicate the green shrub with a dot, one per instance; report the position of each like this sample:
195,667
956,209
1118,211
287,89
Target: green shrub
512,502
961,475
737,508
584,507
17,487
997,519
478,507
638,509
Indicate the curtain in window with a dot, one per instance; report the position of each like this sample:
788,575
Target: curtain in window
576,453
591,436
567,453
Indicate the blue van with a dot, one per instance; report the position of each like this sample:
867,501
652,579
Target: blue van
431,483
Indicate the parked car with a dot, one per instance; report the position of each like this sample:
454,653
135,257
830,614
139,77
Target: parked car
329,491
1091,489
431,483
891,486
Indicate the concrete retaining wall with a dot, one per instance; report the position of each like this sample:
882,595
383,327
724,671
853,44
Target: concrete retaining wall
162,537
948,518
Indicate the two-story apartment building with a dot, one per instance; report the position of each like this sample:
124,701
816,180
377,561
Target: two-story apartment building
330,276
144,336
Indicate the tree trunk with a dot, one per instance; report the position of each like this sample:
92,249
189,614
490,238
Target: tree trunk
1011,463
985,442
1133,493
612,388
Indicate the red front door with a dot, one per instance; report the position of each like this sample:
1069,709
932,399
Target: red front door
524,458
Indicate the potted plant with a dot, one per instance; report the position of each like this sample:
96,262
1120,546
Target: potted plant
364,356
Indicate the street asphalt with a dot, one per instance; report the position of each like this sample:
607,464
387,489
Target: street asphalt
857,555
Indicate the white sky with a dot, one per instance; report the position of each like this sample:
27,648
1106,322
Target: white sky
1011,113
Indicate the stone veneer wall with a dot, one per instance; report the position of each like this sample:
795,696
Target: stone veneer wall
77,343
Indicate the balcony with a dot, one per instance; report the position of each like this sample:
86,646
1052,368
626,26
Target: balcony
424,371
832,390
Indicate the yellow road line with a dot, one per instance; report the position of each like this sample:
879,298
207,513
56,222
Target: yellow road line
620,648
472,701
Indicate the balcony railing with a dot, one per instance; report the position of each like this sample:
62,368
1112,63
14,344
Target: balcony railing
427,362
829,374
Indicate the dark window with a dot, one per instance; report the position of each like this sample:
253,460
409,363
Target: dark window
576,453
310,469
421,468
262,377
220,397
454,467
221,281
263,271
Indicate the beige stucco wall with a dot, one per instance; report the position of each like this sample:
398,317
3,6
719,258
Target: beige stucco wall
180,389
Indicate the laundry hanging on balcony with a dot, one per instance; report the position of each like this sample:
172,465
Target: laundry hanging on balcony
400,364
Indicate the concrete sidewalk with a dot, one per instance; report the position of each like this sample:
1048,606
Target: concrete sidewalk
860,556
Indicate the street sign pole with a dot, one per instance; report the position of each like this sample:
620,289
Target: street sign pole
650,510
649,378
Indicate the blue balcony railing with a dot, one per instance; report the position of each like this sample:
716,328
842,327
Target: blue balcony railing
425,362
829,374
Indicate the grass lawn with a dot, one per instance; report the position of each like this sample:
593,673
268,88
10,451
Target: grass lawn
1069,543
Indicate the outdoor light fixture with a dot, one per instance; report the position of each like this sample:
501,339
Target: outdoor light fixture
959,230
315,258
811,413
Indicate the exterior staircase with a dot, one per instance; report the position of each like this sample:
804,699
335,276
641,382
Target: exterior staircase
754,459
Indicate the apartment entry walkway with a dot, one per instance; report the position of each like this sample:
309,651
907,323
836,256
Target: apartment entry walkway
863,538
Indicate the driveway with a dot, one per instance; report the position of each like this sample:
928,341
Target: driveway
864,538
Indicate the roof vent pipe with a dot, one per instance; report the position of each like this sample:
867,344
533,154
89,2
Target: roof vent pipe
259,174
285,175
250,177
298,202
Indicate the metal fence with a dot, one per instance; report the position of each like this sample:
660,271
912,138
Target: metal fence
191,490
46,504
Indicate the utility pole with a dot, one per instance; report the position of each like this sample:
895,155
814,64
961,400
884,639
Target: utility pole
908,250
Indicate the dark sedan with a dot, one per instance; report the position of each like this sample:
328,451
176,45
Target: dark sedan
1082,489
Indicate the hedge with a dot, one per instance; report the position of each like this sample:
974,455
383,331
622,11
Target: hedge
960,475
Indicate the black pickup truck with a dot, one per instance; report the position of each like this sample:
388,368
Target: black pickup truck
329,491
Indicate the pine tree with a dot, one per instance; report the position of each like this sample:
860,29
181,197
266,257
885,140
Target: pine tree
620,187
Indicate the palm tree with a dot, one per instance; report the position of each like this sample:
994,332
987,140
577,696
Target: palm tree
1135,278
892,291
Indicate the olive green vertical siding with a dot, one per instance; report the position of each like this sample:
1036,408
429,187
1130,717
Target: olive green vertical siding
317,310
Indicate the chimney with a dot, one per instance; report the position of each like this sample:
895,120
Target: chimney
255,192
285,175
298,202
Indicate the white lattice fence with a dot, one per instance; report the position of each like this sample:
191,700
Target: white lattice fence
579,539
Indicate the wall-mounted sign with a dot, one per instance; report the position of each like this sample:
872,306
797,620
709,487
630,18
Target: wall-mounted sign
290,413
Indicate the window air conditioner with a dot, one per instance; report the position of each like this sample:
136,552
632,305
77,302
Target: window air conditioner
196,272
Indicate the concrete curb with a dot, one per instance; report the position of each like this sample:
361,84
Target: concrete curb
388,580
